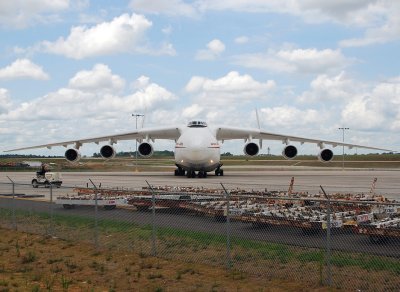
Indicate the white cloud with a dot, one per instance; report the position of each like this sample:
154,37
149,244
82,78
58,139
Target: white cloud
289,117
326,88
86,102
373,107
242,40
23,68
5,102
22,13
363,113
214,49
124,34
192,111
232,87
295,61
100,78
378,17
385,30
168,7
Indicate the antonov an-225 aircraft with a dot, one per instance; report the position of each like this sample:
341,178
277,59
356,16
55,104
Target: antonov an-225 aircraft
197,147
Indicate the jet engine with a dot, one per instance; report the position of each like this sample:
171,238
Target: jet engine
251,149
289,152
145,149
325,155
107,152
72,155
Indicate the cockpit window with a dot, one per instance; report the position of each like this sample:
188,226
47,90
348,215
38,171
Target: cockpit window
197,124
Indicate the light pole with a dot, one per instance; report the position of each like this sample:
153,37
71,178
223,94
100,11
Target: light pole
343,129
136,116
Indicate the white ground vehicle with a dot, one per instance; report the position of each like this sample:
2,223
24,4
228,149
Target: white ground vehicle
49,178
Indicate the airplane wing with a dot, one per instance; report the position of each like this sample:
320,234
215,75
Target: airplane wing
167,133
229,133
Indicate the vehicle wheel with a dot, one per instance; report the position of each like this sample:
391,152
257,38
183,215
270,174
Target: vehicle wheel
35,184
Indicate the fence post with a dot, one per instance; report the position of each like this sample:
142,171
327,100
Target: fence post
328,239
96,232
51,210
153,221
14,221
228,230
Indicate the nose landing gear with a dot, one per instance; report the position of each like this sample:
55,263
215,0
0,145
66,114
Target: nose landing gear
219,171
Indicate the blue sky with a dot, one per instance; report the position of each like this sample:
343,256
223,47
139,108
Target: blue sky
80,68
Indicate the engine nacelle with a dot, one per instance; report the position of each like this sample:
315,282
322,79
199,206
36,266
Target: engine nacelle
107,152
325,155
145,149
251,149
72,155
289,152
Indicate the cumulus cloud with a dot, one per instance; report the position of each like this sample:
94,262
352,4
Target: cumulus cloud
124,34
214,49
192,111
100,78
331,88
23,68
386,29
168,7
86,101
22,13
379,18
363,113
288,116
5,102
232,87
295,61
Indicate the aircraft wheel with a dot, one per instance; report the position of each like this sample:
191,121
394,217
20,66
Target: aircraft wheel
219,172
202,174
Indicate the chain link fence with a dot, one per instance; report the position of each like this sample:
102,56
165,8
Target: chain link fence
348,241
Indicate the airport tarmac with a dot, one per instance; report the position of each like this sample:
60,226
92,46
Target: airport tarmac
347,181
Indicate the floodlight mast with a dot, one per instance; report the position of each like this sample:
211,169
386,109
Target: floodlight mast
136,116
343,129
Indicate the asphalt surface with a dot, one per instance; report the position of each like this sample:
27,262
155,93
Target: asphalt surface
309,179
277,234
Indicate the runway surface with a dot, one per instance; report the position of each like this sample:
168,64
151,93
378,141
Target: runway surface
348,181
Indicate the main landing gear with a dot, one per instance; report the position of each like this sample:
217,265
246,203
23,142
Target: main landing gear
201,174
179,171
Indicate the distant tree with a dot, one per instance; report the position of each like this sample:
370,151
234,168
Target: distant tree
227,154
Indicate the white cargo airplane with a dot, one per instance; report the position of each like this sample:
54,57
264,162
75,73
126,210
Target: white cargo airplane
197,146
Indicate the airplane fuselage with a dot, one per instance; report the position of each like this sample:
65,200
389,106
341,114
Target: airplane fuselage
197,149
